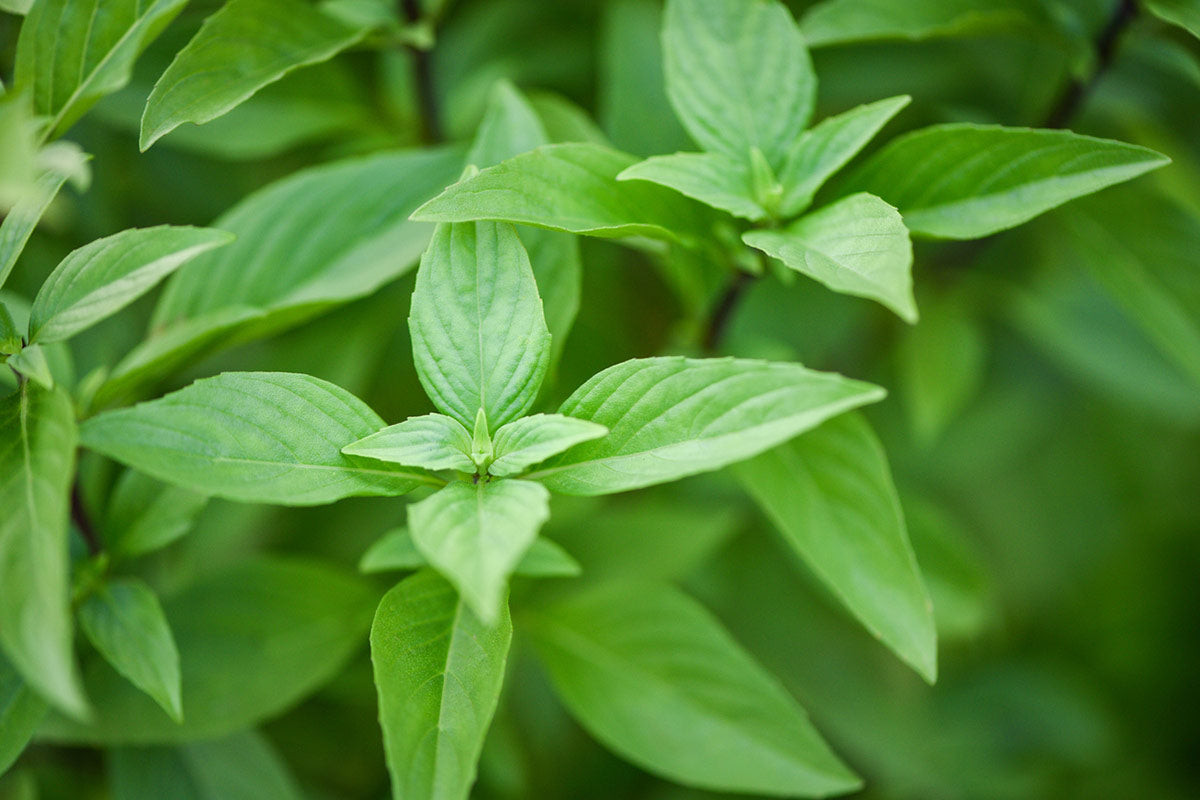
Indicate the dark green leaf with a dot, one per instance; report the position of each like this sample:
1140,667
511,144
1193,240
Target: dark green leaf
1184,13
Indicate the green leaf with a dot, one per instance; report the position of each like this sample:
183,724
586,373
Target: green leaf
672,417
23,217
652,675
395,550
830,493
479,338
37,463
1183,13
841,21
243,766
20,7
73,52
525,442
258,437
125,622
738,75
438,671
433,441
475,535
244,46
11,339
20,712
857,245
254,638
819,153
31,362
143,515
965,181
567,187
545,559
509,127
712,178
101,278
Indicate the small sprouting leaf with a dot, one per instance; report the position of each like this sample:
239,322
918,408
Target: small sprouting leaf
20,712
395,550
820,152
1183,13
103,277
23,217
143,515
125,622
244,46
712,178
31,362
433,441
841,21
530,440
857,245
258,437
830,493
438,672
479,338
964,181
738,75
671,417
652,675
475,535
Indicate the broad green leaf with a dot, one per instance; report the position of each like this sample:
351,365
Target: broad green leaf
101,278
258,437
433,441
244,46
820,152
509,127
712,178
143,515
652,675
20,712
395,550
840,21
243,766
254,639
965,181
738,75
37,464
857,245
830,493
567,187
563,120
524,442
475,535
73,52
1183,13
438,672
671,417
125,622
23,217
479,338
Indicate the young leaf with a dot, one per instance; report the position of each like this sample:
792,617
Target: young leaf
438,671
527,441
258,437
671,417
568,187
31,362
965,181
244,46
73,52
433,441
738,75
143,515
857,245
475,534
395,550
23,217
830,493
820,152
712,178
479,338
37,463
649,672
20,712
101,278
125,622
841,21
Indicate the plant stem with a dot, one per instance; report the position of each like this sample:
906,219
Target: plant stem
83,522
1077,91
722,312
427,103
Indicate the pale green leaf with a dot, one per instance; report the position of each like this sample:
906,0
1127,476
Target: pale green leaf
433,441
671,417
11,339
964,181
244,46
510,127
37,464
15,7
438,672
857,245
712,178
125,622
738,75
1184,13
524,442
830,493
395,550
23,217
258,437
20,712
479,338
476,533
653,676
545,559
31,362
143,515
841,21
563,120
101,278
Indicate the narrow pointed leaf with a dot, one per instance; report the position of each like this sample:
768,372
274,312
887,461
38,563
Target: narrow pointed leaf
20,712
258,437
23,217
529,440
475,535
964,181
671,417
652,675
712,178
433,441
830,493
857,245
395,550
